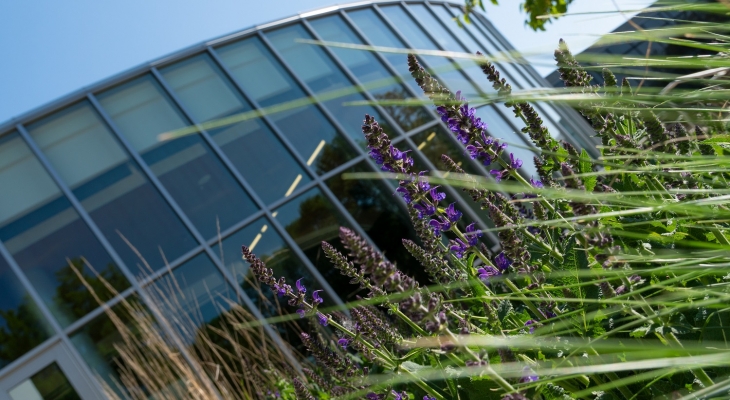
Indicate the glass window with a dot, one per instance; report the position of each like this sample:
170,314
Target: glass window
195,295
325,79
499,128
380,34
377,210
445,69
47,237
370,72
125,206
50,383
261,237
310,219
262,78
250,145
198,181
22,326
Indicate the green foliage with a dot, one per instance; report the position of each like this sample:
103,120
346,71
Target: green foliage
539,12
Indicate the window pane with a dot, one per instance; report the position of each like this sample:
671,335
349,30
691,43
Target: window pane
50,383
194,296
324,78
111,188
379,34
447,41
198,181
311,219
370,72
262,78
42,232
269,246
22,326
250,145
445,69
376,208
499,128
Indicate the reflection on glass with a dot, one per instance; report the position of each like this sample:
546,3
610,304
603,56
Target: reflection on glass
375,207
198,181
50,383
250,145
311,219
324,78
261,77
370,72
128,210
195,295
96,342
22,327
499,128
446,70
48,239
261,237
379,34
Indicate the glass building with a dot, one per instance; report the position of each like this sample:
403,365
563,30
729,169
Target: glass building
168,168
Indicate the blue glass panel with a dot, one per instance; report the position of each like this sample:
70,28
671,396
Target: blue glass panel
445,69
125,206
22,326
447,41
371,72
198,181
47,237
261,77
507,69
324,78
250,145
380,34
195,295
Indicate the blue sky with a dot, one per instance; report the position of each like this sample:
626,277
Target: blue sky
52,48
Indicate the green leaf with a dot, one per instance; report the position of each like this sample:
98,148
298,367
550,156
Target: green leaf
641,332
717,139
586,167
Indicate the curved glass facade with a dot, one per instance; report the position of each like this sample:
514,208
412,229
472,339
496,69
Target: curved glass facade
110,182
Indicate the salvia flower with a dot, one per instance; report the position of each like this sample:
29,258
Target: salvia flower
486,272
459,248
436,195
502,262
300,286
452,213
427,397
343,342
514,162
439,225
322,319
528,375
531,324
399,396
302,312
424,209
498,175
536,183
472,234
316,299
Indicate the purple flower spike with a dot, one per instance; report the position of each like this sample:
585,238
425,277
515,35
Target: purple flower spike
514,162
439,225
343,342
397,154
531,324
300,286
459,248
473,234
502,262
536,183
487,272
452,213
301,313
473,151
322,319
315,297
436,195
422,183
376,156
